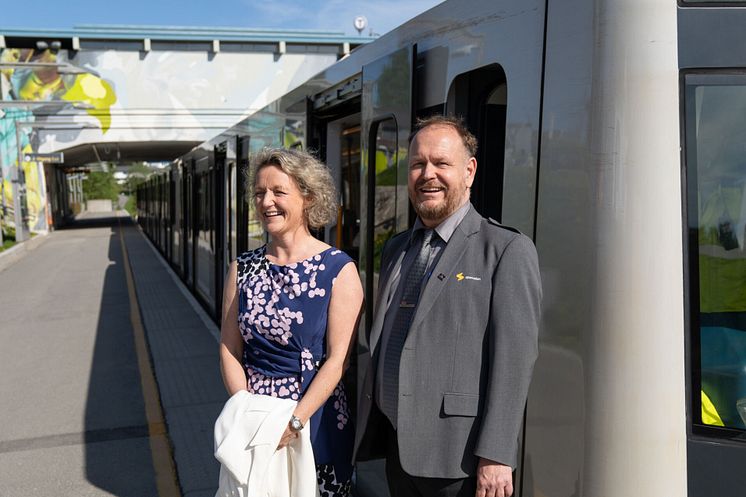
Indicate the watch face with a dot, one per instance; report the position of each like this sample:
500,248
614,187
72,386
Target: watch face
296,424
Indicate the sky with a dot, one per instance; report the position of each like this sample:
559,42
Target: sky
330,15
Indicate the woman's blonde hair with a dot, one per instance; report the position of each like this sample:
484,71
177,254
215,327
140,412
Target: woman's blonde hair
313,178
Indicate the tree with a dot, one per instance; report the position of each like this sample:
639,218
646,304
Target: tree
100,185
136,175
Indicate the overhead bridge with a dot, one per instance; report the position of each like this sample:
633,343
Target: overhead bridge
111,95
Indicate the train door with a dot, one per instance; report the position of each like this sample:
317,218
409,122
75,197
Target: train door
189,222
220,241
333,130
385,124
242,207
712,63
177,221
345,233
205,192
385,127
480,97
232,203
162,211
170,216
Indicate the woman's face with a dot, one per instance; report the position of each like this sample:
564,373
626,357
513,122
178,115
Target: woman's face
278,201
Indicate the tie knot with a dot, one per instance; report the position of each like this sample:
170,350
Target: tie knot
427,236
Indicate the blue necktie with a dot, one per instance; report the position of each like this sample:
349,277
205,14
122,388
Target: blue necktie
400,327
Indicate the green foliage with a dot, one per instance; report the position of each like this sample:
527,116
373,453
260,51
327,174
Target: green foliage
9,237
131,205
379,241
387,177
100,185
137,174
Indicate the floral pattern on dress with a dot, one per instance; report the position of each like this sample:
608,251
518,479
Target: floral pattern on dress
284,388
307,362
283,314
340,405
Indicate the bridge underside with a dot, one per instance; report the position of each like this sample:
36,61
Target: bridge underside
91,154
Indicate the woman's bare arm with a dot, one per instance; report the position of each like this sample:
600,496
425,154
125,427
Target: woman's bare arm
231,342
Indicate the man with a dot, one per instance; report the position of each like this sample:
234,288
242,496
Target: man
454,337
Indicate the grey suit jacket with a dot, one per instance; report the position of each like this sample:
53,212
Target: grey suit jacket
468,358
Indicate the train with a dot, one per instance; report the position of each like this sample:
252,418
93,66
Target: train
613,134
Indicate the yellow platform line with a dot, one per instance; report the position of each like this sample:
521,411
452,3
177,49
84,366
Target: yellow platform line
166,480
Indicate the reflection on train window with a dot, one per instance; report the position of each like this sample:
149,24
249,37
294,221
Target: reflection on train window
256,231
716,176
384,162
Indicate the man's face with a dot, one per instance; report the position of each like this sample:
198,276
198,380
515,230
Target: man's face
441,172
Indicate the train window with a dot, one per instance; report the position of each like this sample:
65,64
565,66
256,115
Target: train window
232,211
714,3
256,232
715,111
384,165
481,97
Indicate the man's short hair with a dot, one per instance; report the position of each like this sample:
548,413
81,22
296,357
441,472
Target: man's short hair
454,122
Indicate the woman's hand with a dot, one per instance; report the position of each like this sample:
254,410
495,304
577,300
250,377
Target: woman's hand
287,437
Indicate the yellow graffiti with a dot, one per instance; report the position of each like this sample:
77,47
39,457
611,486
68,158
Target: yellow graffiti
95,92
35,89
46,83
34,201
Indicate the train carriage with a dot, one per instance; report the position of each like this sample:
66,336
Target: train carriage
612,133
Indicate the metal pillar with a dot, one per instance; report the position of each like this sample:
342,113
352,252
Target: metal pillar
18,180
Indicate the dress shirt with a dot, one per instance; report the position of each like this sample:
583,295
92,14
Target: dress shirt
444,231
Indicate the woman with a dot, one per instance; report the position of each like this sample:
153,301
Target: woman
290,310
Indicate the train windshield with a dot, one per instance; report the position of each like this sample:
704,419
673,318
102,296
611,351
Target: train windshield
716,191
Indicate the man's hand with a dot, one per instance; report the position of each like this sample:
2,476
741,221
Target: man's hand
494,479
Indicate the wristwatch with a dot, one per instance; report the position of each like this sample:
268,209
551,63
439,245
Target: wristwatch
295,423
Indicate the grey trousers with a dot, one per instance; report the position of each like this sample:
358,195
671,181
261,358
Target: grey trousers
402,484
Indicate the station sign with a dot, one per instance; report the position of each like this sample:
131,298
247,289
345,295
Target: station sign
54,158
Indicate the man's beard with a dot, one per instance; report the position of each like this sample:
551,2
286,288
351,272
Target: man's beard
439,211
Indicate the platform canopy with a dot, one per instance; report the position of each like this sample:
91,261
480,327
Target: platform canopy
91,154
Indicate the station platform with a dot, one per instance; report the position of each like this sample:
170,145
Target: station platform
81,413
109,371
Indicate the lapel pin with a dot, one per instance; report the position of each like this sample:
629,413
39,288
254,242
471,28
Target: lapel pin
441,276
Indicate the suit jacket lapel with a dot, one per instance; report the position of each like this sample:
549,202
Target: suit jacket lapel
384,293
446,267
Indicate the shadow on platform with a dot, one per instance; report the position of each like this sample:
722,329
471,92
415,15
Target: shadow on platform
115,411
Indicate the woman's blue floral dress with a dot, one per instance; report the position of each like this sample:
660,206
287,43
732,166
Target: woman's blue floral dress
282,316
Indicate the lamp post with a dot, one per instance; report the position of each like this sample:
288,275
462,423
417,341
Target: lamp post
18,181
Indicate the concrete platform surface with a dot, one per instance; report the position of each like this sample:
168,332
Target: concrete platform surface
75,419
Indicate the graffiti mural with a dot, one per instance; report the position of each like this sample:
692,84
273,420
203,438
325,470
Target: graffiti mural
34,77
109,97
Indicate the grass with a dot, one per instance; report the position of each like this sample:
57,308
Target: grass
9,238
7,243
131,206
